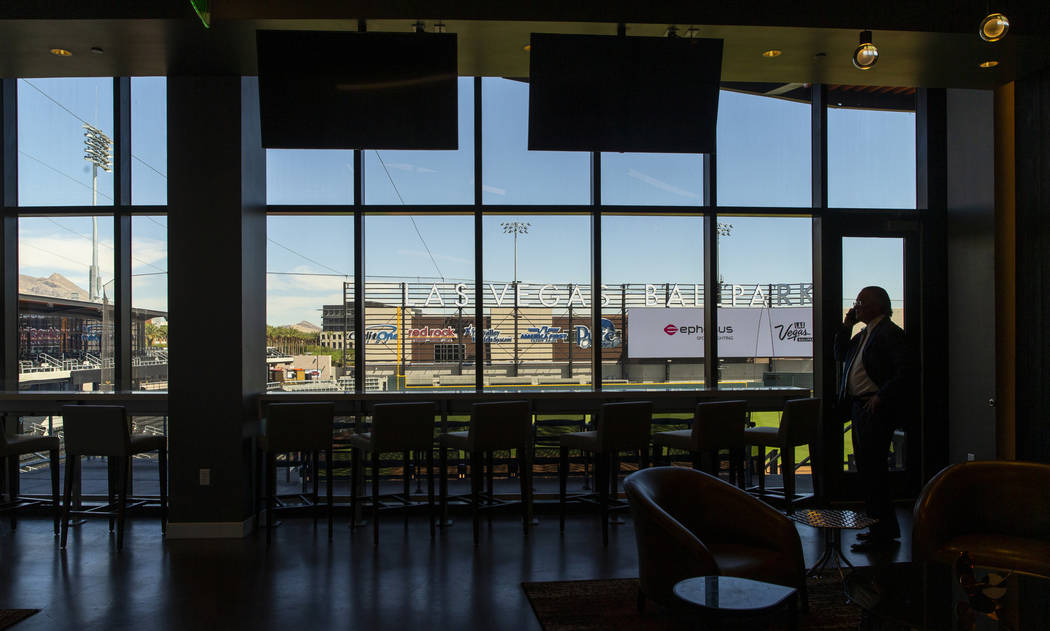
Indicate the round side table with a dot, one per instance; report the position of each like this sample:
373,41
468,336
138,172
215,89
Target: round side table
719,598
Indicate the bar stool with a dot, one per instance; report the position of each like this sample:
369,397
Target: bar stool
493,427
104,430
404,427
11,448
292,427
621,427
716,425
799,425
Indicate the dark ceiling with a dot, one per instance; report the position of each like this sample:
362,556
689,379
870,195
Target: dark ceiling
930,44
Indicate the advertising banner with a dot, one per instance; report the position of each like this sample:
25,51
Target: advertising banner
662,333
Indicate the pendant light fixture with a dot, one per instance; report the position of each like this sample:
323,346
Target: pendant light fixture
866,54
994,27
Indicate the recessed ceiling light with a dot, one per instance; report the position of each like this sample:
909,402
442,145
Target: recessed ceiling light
994,27
527,47
772,52
866,54
988,64
61,52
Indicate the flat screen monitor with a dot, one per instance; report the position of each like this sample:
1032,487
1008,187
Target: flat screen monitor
351,90
612,93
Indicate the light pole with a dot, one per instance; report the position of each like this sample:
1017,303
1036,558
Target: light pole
515,228
98,150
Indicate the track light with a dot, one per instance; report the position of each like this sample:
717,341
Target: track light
865,55
994,27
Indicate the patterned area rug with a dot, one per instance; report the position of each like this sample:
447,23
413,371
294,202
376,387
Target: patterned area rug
11,617
610,604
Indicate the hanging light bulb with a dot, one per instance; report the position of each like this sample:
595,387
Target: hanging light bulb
994,27
865,55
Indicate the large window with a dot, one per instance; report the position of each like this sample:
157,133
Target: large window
419,298
652,179
537,297
65,303
60,121
309,302
149,302
514,175
309,177
149,140
763,151
652,303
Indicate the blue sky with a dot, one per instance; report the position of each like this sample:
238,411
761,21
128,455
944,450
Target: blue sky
764,154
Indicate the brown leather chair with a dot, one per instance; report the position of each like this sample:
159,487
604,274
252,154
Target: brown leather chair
11,448
498,426
621,427
688,523
799,425
296,427
104,430
716,425
404,427
998,511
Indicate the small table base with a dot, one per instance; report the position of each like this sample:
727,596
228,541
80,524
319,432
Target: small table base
831,522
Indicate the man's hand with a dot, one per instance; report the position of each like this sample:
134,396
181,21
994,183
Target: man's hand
851,319
873,404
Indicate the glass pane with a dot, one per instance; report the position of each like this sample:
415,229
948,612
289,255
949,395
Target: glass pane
149,302
871,158
309,271
654,179
309,176
652,272
765,315
514,175
427,177
149,140
65,303
763,151
537,294
52,142
419,302
868,261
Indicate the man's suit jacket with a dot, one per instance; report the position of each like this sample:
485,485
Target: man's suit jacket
889,363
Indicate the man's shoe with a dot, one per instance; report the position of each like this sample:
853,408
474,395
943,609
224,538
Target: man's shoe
873,544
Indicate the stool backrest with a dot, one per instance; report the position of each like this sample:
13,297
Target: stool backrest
299,426
625,426
96,430
403,426
800,423
502,425
719,425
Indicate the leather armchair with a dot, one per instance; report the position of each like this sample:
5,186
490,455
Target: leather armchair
997,510
688,523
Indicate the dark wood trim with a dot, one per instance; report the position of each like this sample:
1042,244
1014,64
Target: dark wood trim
1005,276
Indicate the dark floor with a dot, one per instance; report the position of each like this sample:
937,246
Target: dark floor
303,581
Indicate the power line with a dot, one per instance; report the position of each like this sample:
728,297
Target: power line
410,217
63,174
281,245
104,244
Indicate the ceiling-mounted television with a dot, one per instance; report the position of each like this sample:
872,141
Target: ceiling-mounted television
615,93
354,90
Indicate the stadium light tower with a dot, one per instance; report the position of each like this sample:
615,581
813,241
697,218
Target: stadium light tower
98,150
515,228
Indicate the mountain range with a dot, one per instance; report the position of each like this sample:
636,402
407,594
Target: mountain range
54,286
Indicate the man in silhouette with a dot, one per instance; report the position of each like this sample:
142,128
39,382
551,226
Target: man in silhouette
875,392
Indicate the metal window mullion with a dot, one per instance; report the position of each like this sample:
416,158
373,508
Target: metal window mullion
479,271
359,274
122,233
9,234
711,286
596,272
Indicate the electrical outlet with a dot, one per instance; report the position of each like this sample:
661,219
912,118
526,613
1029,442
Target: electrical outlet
205,477
970,457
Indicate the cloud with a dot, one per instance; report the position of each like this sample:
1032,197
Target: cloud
69,256
493,190
292,309
405,166
663,186
439,257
